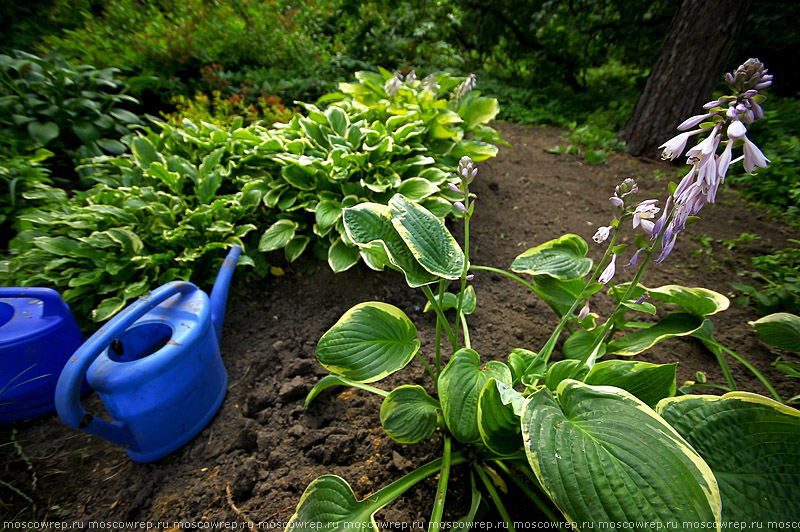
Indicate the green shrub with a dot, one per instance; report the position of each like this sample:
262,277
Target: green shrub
162,210
74,111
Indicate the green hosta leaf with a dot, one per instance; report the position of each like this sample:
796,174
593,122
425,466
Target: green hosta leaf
144,152
296,247
438,206
338,120
480,111
636,467
409,414
107,308
86,132
675,324
369,225
781,330
342,257
559,295
450,301
579,345
370,341
697,301
460,385
278,235
328,503
335,380
564,370
498,424
752,445
428,239
595,157
475,150
525,366
57,245
125,116
300,177
563,258
417,188
43,133
327,213
649,382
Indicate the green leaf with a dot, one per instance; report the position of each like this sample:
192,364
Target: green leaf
296,247
675,324
475,150
125,116
697,301
278,235
86,132
563,258
427,237
372,340
460,385
450,301
499,426
57,245
300,177
578,346
338,120
43,133
559,295
107,308
649,382
327,213
334,380
369,225
417,188
525,365
409,414
603,456
144,152
480,111
752,445
595,157
781,330
341,256
329,503
564,370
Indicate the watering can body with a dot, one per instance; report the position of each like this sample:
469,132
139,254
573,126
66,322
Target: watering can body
157,368
38,334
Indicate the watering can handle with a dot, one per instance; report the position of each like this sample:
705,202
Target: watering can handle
68,400
51,300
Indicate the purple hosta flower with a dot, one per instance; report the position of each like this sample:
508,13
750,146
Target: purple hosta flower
602,234
634,258
393,84
724,161
736,130
465,87
667,249
460,206
691,122
584,311
705,149
753,158
429,84
674,147
455,188
610,270
642,298
467,170
643,213
625,188
616,201
411,77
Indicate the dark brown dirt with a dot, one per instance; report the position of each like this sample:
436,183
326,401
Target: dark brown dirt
266,448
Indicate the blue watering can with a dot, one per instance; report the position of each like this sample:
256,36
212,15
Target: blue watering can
157,368
38,334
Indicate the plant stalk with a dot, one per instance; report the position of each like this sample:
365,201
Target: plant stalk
440,315
501,509
435,522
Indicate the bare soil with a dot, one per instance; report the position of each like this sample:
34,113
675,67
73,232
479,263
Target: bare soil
262,449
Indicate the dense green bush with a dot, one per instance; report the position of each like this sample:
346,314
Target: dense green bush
74,111
164,209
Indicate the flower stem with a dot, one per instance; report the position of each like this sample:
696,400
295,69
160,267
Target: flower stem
752,369
435,522
440,315
531,495
495,497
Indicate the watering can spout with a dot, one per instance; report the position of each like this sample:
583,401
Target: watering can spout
219,294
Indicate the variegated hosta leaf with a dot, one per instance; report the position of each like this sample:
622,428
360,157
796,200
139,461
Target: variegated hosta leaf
559,295
336,380
409,414
563,258
370,224
371,341
604,457
781,330
342,257
649,382
525,366
277,235
675,324
563,370
460,385
428,239
698,301
499,407
752,445
450,301
328,503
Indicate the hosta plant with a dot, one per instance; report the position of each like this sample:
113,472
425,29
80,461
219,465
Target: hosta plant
602,442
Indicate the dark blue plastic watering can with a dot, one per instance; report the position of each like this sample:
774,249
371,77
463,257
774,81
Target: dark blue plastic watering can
157,368
37,336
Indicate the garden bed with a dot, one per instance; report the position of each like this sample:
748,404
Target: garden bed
262,449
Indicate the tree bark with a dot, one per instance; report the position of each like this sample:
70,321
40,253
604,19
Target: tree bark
688,68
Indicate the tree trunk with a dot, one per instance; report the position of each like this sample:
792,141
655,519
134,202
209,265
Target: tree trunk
688,68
